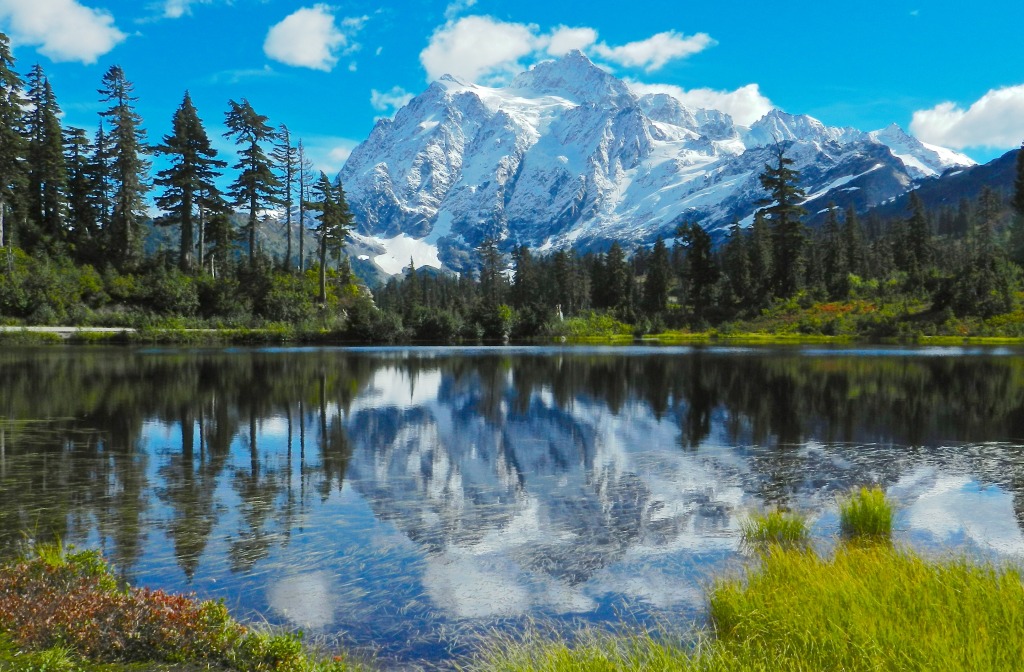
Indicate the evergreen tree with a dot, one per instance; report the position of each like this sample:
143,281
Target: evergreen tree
701,272
525,283
853,242
220,239
12,144
985,282
126,144
190,177
100,171
335,223
736,264
833,257
47,177
83,220
305,177
1017,228
917,243
783,211
617,278
287,158
256,186
762,265
656,282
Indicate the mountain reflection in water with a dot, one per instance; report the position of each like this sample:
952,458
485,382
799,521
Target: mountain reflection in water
398,497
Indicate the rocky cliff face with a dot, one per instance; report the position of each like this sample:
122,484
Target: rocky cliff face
568,156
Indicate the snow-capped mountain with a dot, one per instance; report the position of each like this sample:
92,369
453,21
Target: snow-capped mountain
567,155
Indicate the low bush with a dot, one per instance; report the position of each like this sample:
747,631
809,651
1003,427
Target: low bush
71,605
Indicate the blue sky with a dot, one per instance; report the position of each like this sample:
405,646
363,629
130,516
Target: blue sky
950,72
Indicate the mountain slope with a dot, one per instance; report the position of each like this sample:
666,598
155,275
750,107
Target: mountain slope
568,156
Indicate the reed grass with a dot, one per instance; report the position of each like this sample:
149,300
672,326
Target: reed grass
866,514
775,528
867,607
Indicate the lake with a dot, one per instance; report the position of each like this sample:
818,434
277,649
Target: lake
399,500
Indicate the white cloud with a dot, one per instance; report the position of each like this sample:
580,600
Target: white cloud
995,120
457,7
389,101
654,52
175,9
63,30
564,39
745,105
328,153
486,50
307,38
478,48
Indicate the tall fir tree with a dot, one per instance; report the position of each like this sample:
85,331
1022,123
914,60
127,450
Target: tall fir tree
657,279
12,144
286,156
783,211
853,242
47,176
736,264
190,177
700,271
917,243
762,263
82,215
129,169
833,257
256,187
306,180
334,224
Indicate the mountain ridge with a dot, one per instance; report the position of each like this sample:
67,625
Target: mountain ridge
567,155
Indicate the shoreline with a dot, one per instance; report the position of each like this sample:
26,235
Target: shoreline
86,335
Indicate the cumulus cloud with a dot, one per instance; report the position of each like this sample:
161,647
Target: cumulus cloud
995,120
62,30
308,38
486,50
654,52
457,7
745,105
478,48
563,39
389,101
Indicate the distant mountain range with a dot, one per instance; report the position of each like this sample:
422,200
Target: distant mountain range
567,155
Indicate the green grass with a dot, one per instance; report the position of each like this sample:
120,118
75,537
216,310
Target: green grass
866,514
775,528
868,607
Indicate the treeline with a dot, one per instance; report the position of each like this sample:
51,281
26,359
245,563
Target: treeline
927,268
74,214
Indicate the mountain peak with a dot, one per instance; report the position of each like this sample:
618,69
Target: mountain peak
574,76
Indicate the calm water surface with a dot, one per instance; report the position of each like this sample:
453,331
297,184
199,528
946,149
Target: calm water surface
400,500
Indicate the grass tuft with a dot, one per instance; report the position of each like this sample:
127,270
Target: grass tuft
866,515
783,528
868,607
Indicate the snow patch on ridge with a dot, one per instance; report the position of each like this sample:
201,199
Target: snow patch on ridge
402,248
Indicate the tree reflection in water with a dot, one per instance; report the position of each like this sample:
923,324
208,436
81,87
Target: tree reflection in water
565,463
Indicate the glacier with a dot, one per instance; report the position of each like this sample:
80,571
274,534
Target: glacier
567,155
